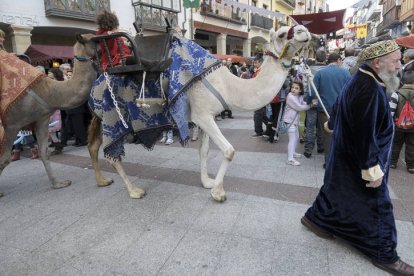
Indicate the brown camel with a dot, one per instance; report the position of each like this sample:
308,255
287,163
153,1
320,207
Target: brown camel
239,94
51,95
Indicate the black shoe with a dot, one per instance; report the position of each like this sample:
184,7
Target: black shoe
324,165
397,268
318,231
301,140
393,166
410,170
257,135
307,154
231,117
320,150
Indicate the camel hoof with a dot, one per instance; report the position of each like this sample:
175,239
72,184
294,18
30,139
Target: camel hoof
105,182
62,184
219,196
136,192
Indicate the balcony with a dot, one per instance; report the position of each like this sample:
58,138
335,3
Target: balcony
374,15
76,9
152,17
390,19
290,4
407,11
226,13
261,22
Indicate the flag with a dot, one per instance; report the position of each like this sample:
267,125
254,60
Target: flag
321,23
191,3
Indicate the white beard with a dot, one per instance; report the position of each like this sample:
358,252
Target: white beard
392,82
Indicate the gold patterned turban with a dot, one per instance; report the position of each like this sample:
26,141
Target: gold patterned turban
379,49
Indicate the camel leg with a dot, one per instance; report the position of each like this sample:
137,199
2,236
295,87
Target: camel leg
133,191
42,140
209,126
94,143
204,146
10,135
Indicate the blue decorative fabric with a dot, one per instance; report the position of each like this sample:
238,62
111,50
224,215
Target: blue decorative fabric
147,123
190,62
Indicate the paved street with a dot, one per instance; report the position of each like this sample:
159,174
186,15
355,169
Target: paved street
178,229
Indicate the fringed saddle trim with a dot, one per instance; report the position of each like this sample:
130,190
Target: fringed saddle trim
198,77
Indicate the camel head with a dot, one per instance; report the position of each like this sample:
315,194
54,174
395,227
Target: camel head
287,41
85,46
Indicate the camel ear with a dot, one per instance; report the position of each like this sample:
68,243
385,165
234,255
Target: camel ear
79,38
272,35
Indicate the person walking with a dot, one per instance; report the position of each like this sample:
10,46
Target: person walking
329,82
294,105
401,103
311,128
350,59
354,203
259,116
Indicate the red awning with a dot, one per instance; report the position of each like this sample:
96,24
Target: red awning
406,41
234,58
322,23
46,53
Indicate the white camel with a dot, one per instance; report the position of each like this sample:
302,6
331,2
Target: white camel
47,96
239,94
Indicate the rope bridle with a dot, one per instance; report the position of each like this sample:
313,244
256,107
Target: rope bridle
283,53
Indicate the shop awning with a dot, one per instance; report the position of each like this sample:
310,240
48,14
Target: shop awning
323,22
406,41
46,53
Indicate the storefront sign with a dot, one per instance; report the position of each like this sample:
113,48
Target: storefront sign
21,20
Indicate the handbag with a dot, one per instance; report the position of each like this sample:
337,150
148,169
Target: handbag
283,127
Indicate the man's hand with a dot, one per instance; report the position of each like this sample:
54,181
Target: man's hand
374,184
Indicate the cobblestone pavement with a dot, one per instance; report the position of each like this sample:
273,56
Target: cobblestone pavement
178,229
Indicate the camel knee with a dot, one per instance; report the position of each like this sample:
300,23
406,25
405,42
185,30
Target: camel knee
229,154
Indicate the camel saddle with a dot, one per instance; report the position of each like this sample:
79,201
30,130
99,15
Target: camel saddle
16,76
150,53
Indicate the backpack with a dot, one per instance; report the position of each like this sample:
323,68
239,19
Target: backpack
406,118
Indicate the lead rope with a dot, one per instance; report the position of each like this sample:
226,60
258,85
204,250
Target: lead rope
141,97
108,82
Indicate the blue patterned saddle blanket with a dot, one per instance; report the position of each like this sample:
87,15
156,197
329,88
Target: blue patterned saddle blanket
190,62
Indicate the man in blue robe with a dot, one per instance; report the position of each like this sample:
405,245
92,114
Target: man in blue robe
354,203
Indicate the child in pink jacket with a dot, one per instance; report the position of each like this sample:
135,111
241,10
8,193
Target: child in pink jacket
294,105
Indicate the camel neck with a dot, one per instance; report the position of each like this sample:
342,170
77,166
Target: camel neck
252,94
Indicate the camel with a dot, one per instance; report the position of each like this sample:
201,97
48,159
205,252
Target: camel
239,94
51,95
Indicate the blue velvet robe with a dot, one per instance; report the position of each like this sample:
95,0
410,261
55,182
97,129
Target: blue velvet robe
362,138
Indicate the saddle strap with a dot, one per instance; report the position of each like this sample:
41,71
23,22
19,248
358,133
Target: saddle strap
214,91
